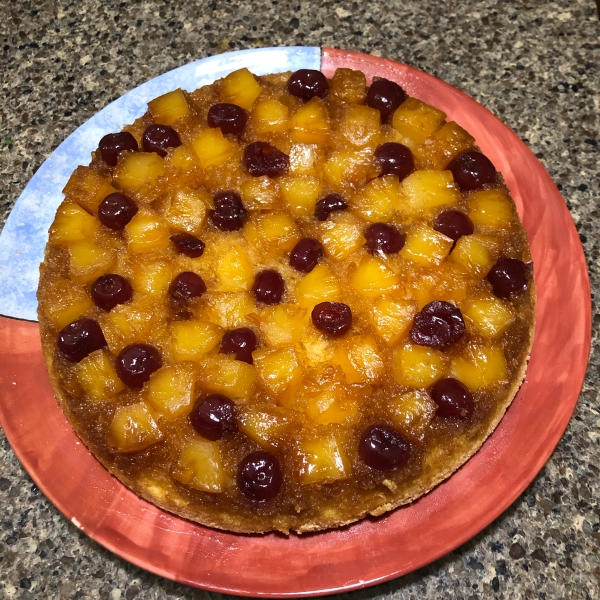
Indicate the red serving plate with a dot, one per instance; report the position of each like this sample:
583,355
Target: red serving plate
373,550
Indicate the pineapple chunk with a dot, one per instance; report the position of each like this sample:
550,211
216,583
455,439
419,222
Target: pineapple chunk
348,86
72,224
182,158
305,159
348,168
310,124
229,309
418,366
282,325
428,190
87,188
487,315
415,121
98,378
438,150
193,339
279,371
412,412
234,269
146,232
361,126
341,234
273,232
87,261
268,425
360,359
152,277
301,193
475,253
379,199
426,246
169,107
448,282
332,404
372,278
322,461
212,149
320,285
480,366
136,169
64,303
490,208
241,88
392,318
133,428
270,116
224,375
260,193
170,390
187,209
200,466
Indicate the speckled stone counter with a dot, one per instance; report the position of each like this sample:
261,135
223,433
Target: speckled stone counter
534,63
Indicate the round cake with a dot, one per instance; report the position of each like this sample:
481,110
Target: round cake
286,302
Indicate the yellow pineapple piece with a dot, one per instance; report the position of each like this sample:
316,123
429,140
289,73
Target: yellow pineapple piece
348,86
332,404
87,261
323,461
372,278
439,149
64,303
228,309
305,159
136,169
301,193
234,269
152,277
146,231
341,235
72,224
427,190
267,425
448,282
200,466
487,315
379,199
426,246
169,107
361,126
87,188
282,325
98,378
348,167
320,285
224,375
491,208
273,232
260,193
193,339
270,116
360,359
479,366
182,158
212,149
418,366
392,318
412,412
415,121
187,209
170,390
475,253
241,88
133,428
279,371
310,124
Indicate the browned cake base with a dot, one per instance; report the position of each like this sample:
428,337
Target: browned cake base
325,419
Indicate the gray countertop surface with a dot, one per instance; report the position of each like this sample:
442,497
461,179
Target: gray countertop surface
535,64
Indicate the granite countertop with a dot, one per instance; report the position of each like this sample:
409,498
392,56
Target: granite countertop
534,63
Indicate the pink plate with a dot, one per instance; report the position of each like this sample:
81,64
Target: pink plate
373,550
